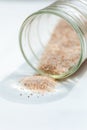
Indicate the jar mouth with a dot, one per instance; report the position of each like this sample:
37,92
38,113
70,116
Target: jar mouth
74,26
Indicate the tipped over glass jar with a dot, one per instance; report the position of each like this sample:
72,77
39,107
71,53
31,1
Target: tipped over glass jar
53,40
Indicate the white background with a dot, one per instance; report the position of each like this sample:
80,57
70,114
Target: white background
67,114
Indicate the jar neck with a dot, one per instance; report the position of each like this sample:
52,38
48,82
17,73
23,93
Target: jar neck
75,13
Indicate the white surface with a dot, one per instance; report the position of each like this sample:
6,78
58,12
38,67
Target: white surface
67,114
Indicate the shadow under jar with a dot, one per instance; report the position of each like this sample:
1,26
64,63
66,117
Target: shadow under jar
37,30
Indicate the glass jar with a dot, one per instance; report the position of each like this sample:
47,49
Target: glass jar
37,29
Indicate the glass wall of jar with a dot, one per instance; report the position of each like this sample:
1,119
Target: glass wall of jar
37,29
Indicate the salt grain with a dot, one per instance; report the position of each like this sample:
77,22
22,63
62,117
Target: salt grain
39,83
62,51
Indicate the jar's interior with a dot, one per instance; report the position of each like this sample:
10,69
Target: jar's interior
50,45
